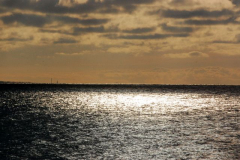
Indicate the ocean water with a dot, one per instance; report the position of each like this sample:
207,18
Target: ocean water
119,122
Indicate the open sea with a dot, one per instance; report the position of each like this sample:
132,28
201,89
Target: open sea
72,122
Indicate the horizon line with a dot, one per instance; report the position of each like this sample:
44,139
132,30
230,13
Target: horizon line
160,84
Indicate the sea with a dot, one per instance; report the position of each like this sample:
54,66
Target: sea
125,122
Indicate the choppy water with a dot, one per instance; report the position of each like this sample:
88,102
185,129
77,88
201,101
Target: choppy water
119,122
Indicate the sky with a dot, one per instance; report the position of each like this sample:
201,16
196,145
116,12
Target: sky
120,41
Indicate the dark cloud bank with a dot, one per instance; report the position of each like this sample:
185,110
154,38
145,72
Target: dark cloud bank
194,13
52,6
150,36
39,21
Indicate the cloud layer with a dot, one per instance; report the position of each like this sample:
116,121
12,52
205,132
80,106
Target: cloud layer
55,6
124,35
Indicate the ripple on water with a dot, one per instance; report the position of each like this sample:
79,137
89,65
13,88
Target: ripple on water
120,123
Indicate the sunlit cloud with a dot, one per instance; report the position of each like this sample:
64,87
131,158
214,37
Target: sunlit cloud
71,3
235,41
135,50
69,54
194,54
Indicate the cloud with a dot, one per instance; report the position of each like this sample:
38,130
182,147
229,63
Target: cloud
2,10
193,13
55,31
182,2
107,10
197,54
99,29
237,37
56,6
139,30
66,19
39,21
25,19
131,49
70,3
151,36
45,6
231,20
102,29
235,41
235,2
78,30
14,39
175,29
227,42
68,54
65,40
93,21
187,55
84,52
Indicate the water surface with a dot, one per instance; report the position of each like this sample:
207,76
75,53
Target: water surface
119,122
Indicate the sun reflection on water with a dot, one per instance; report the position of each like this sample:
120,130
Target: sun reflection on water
144,102
124,124
165,123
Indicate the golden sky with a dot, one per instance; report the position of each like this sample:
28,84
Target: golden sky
120,41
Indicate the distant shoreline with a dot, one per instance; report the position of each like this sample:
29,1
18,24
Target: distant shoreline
112,84
10,82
